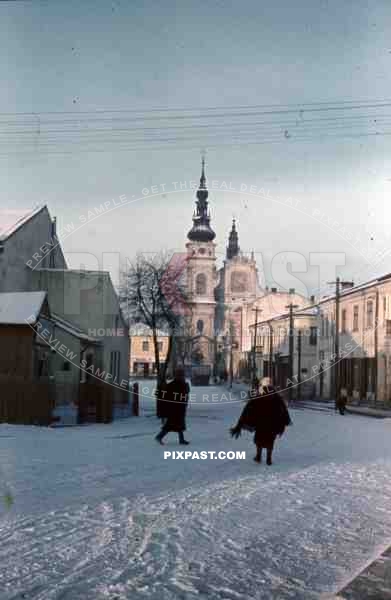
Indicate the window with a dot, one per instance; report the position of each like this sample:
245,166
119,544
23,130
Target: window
313,336
239,282
355,318
115,357
200,326
388,327
343,320
201,284
145,346
66,366
384,307
160,346
370,313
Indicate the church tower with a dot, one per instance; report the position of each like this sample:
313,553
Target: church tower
201,277
233,242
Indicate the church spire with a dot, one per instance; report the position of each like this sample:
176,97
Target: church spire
203,178
233,242
201,230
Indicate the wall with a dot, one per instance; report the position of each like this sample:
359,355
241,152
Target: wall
19,247
137,354
16,351
88,299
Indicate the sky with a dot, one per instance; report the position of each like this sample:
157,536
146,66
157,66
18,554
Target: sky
106,99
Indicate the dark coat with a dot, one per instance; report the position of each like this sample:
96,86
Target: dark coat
342,399
265,414
175,405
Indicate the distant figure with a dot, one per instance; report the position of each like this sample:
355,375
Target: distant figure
265,414
342,400
174,406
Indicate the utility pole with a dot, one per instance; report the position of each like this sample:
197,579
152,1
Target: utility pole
231,363
291,348
299,364
338,283
256,310
271,353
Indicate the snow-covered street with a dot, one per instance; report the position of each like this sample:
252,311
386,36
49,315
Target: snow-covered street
99,513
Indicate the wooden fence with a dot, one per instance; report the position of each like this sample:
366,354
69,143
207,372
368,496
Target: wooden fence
24,402
32,403
95,403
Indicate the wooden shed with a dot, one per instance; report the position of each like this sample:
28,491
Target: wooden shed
26,394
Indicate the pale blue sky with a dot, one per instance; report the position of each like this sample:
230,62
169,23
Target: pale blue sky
85,57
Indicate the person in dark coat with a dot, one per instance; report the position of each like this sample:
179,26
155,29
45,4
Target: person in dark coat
267,415
342,401
175,405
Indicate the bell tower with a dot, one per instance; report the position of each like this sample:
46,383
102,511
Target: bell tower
201,276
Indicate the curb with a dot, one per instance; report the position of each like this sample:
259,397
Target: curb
373,583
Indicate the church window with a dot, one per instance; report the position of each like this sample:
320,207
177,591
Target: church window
239,282
201,284
200,325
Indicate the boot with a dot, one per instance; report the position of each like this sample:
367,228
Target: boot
269,458
258,456
159,439
182,439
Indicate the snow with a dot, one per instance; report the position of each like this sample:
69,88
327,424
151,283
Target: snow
12,218
18,308
72,329
99,513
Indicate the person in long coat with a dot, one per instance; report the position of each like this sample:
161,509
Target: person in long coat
342,401
265,414
174,403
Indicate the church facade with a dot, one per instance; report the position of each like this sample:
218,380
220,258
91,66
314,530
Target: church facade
224,302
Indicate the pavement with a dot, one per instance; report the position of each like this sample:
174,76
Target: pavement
327,405
373,583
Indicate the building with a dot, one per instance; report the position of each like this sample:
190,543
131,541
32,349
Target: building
88,302
287,352
85,314
27,241
201,277
142,362
224,302
364,341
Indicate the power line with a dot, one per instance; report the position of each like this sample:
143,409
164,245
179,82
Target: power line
174,145
294,122
295,107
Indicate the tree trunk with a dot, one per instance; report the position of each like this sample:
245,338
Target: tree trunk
158,372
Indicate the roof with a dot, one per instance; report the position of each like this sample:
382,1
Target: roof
13,218
20,308
73,329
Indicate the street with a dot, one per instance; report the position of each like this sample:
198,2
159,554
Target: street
99,513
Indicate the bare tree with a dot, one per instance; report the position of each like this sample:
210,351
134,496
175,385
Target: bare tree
152,292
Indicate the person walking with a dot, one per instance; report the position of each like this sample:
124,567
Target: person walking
175,406
265,414
342,400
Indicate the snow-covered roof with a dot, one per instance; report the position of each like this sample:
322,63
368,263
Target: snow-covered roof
73,329
13,218
20,308
143,330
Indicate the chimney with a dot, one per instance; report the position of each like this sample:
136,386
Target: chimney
274,290
52,255
291,290
345,285
312,299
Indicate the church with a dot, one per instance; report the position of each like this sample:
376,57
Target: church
225,301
